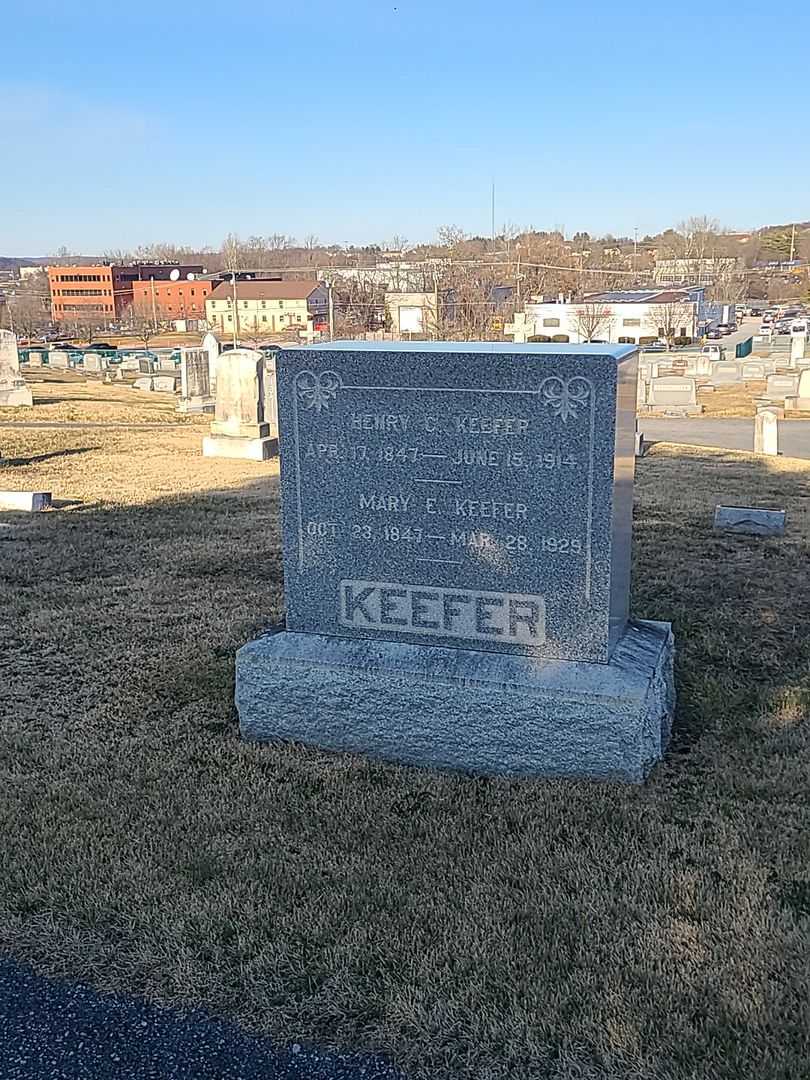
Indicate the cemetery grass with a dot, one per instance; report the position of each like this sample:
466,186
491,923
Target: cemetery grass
467,927
67,397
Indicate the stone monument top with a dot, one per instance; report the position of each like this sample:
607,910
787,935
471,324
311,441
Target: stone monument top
474,495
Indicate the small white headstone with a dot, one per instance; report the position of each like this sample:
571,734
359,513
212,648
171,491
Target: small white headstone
766,433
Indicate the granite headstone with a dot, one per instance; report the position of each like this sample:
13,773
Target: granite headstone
195,382
456,534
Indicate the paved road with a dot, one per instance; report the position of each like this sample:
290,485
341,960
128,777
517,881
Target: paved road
61,1031
728,434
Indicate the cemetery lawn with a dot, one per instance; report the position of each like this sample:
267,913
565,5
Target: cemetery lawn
67,397
468,927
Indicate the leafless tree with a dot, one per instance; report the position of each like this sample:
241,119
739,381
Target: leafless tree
668,319
450,236
145,321
359,307
29,306
256,334
592,320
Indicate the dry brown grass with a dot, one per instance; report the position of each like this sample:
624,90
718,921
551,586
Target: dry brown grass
66,396
472,928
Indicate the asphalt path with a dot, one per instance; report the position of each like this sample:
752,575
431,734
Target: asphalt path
725,433
56,1030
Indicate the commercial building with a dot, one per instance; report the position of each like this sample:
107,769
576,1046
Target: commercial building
103,293
166,300
700,270
266,306
632,317
82,292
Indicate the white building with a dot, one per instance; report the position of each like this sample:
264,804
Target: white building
632,317
678,271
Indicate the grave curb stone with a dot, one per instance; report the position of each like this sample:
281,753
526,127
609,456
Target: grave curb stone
462,709
750,520
25,501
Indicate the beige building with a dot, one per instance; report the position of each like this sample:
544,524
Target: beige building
266,306
412,313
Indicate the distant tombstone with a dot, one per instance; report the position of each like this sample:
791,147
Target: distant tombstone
725,371
766,433
211,346
801,400
798,344
778,387
95,363
58,360
456,523
13,387
753,369
674,393
166,384
703,365
246,422
195,382
640,447
34,358
144,383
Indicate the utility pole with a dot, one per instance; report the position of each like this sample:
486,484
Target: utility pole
493,215
331,311
792,242
435,307
517,275
154,305
235,311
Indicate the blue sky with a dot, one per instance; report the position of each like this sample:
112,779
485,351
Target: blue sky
181,121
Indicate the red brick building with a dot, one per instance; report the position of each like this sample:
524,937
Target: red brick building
172,299
82,292
105,293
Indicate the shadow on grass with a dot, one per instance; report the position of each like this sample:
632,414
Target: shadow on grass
37,459
470,927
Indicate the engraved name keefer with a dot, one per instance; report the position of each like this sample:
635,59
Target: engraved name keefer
469,614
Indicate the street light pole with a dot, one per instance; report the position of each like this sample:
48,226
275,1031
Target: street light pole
235,311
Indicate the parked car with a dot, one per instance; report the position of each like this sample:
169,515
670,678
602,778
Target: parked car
766,329
100,346
715,351
655,346
713,334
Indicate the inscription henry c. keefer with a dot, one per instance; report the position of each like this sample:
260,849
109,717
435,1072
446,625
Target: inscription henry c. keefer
471,495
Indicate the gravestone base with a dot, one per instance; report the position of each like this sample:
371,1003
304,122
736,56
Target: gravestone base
197,404
798,404
234,446
475,711
16,395
672,410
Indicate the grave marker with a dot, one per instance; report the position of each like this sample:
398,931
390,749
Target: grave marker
195,381
245,424
13,388
456,532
